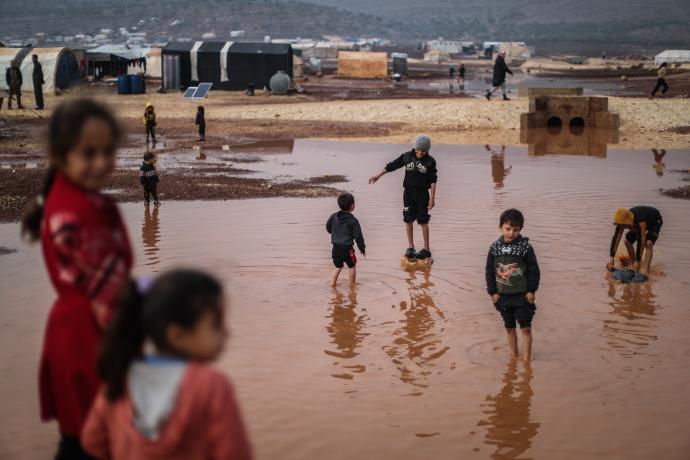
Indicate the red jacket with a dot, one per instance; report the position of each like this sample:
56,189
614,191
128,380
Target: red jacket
88,257
204,424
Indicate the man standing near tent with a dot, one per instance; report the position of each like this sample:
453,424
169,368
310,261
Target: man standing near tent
38,82
13,78
499,77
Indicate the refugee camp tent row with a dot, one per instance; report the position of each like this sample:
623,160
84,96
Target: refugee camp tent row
60,67
228,65
114,60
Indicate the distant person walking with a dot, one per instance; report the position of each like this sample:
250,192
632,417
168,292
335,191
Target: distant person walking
499,77
603,55
661,79
13,78
38,82
461,72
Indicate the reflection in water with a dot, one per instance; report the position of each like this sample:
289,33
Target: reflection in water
568,141
345,330
150,235
508,422
268,146
659,165
498,169
629,331
417,345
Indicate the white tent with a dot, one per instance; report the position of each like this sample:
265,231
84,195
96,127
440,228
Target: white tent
154,63
60,68
673,57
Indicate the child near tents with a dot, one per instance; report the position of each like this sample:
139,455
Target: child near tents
150,123
149,179
512,279
200,122
345,230
88,258
161,398
661,79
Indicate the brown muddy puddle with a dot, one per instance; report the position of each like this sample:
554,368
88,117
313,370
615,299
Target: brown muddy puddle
413,364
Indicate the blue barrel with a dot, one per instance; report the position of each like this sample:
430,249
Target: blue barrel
136,83
123,86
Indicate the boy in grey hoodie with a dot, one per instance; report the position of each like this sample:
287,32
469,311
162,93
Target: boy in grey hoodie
345,231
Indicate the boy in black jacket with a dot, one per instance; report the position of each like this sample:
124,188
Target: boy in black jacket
420,176
149,179
345,230
512,279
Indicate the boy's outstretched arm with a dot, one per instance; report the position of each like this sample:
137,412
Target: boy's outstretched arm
392,166
359,238
433,177
615,241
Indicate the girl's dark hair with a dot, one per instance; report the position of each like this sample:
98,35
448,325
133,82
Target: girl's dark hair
200,108
663,64
64,132
176,297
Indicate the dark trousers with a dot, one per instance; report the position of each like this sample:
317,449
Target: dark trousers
660,84
70,449
38,94
151,191
202,132
150,131
15,91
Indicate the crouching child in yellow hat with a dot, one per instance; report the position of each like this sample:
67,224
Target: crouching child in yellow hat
643,224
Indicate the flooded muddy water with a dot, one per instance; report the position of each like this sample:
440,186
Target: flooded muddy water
413,364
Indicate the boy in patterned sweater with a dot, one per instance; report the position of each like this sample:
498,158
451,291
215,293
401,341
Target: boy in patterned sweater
512,279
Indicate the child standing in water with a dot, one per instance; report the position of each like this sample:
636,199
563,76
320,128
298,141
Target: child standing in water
512,279
150,123
345,231
149,179
161,398
200,121
420,176
88,257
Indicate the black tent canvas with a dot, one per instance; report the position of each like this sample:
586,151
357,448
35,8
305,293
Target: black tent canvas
209,68
257,63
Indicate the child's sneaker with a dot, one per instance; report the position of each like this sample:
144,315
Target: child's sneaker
423,254
410,254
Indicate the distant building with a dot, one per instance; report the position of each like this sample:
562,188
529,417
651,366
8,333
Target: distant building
447,46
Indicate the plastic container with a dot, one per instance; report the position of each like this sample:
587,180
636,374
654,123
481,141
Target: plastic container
136,84
123,86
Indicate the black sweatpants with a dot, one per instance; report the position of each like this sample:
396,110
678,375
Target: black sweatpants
660,84
151,191
202,132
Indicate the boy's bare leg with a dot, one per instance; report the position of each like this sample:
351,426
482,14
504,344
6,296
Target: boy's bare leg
410,234
334,277
512,342
648,253
527,343
352,275
425,235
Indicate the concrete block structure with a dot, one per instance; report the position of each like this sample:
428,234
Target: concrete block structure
568,141
534,92
573,111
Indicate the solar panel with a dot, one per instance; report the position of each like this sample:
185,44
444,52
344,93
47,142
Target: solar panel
202,90
190,92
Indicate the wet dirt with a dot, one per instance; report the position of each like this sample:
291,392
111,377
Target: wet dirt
413,364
